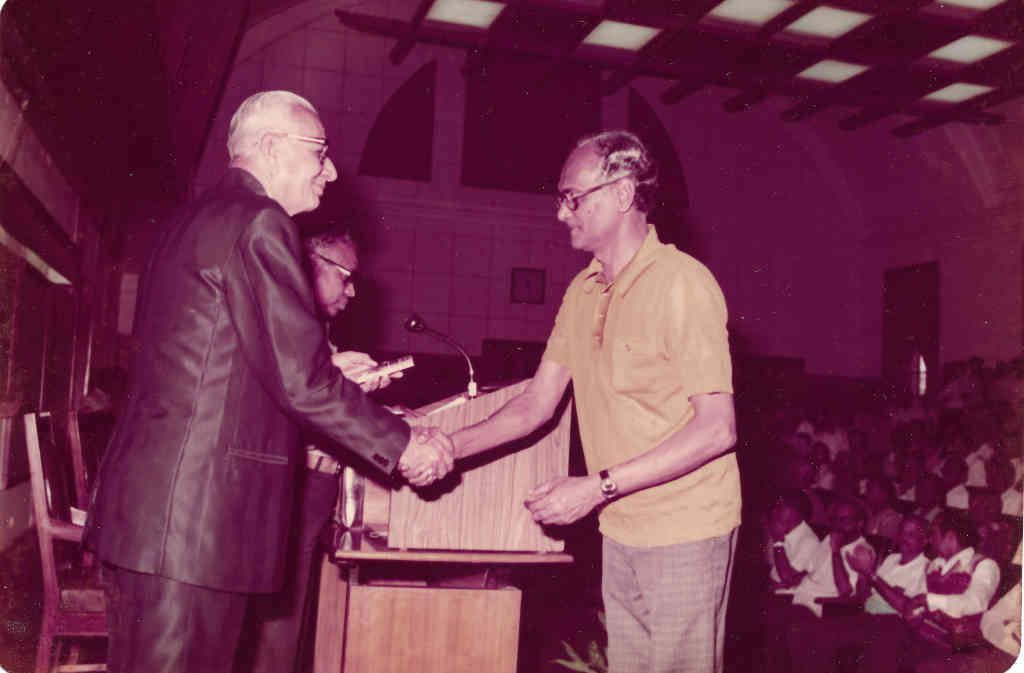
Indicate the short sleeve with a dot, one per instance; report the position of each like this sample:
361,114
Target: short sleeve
699,340
557,349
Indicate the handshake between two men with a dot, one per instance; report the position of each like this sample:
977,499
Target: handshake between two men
430,454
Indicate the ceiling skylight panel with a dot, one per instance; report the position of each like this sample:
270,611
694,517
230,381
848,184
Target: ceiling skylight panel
978,5
970,49
831,71
475,13
752,12
828,22
958,92
620,35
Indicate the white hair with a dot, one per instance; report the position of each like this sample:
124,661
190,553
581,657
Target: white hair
255,115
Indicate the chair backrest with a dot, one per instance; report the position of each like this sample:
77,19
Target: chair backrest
52,464
51,471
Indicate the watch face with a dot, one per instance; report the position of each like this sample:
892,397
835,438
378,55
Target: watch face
608,487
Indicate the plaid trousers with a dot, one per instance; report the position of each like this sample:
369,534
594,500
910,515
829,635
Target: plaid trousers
665,606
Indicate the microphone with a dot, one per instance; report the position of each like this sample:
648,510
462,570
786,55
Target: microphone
417,325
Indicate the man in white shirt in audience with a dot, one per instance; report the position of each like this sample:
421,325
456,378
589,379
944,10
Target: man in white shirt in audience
960,584
793,542
1000,626
831,575
901,576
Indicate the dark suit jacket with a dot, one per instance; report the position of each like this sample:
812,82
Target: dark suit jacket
197,483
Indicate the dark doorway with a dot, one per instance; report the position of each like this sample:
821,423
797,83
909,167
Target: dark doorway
910,325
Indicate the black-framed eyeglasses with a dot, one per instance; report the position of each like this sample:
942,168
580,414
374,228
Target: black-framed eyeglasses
345,271
572,201
322,142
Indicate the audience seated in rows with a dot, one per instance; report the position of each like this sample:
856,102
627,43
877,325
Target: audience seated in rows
947,470
814,647
960,583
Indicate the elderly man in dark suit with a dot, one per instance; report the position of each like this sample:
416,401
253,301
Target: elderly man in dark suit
192,503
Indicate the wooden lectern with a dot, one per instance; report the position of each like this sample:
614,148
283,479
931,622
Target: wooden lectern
382,609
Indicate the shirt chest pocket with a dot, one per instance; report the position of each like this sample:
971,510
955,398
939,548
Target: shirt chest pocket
637,364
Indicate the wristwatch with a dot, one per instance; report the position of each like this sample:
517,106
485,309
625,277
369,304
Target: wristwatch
609,489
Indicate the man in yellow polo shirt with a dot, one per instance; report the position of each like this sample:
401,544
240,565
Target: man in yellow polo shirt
641,333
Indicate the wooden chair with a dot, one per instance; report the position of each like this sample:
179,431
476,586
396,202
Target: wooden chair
74,605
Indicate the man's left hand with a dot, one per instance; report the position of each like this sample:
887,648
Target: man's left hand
353,364
564,500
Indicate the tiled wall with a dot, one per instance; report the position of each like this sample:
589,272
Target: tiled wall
797,221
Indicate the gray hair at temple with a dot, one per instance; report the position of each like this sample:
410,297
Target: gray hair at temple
256,115
621,153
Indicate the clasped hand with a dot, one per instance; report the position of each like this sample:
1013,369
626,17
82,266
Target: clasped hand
429,456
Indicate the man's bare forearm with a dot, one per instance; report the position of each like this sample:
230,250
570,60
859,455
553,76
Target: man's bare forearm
518,417
710,433
893,596
787,574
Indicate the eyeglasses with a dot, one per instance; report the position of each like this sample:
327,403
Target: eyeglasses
572,201
322,142
345,271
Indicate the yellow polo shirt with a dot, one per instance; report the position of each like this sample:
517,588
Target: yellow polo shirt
638,349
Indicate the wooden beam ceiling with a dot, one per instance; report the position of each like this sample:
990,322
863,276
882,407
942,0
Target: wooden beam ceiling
696,48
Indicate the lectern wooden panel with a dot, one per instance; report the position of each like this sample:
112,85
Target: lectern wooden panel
481,508
404,629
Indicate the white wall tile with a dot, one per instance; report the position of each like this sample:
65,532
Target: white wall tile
324,88
287,77
393,290
325,50
289,50
433,251
431,293
362,95
367,55
469,333
500,305
508,254
470,296
472,256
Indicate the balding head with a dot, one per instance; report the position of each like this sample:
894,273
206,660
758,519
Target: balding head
260,113
278,137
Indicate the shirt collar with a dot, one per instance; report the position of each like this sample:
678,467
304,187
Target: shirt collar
920,557
645,255
962,557
798,531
